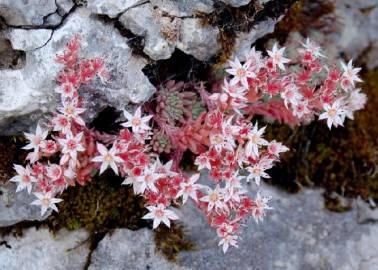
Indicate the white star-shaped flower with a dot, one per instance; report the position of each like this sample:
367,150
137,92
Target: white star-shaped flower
37,140
108,158
136,121
189,189
277,56
23,178
160,214
350,73
46,201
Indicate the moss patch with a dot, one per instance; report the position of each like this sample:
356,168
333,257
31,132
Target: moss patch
170,241
10,153
99,205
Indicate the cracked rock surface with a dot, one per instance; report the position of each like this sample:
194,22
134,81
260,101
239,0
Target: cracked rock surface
37,30
38,249
112,8
298,234
20,13
29,90
163,33
15,207
126,249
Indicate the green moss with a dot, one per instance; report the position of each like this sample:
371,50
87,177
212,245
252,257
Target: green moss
335,204
170,241
102,204
10,153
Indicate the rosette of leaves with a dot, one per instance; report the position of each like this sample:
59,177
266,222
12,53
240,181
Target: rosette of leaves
175,102
160,142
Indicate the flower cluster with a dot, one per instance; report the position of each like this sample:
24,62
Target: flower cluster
215,126
293,90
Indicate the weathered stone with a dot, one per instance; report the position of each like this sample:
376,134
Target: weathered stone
365,213
38,249
27,91
64,6
27,40
244,40
53,20
184,8
15,207
197,40
126,249
163,33
354,34
112,8
26,12
298,234
236,3
145,21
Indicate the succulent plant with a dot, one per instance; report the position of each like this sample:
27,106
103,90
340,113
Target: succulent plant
174,104
197,109
160,142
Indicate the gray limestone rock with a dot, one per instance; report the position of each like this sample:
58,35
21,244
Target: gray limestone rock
126,249
184,8
28,40
16,12
298,234
38,249
112,8
15,207
28,92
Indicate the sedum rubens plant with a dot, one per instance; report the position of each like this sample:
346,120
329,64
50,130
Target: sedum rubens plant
222,137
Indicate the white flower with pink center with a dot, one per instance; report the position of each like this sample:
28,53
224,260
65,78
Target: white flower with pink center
257,171
160,214
277,56
67,90
240,72
220,141
301,109
137,122
71,145
107,158
61,123
54,172
72,111
275,148
37,140
24,178
335,113
227,241
291,95
203,162
234,91
189,189
148,178
255,140
261,204
46,201
214,198
350,73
